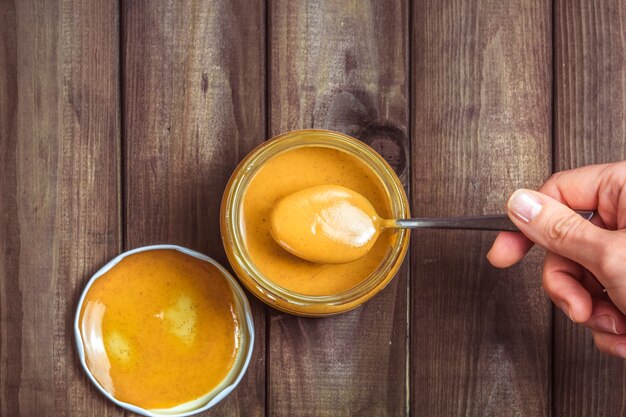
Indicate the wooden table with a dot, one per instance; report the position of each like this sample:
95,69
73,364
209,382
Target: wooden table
121,121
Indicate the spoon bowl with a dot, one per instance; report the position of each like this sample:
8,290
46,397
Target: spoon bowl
326,224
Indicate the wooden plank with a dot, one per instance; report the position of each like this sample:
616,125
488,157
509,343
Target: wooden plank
480,338
59,188
590,127
193,107
342,66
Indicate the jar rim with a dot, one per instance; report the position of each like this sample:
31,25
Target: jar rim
233,204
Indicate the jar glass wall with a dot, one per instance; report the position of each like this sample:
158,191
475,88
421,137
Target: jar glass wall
233,235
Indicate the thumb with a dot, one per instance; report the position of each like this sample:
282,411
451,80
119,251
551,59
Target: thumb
559,229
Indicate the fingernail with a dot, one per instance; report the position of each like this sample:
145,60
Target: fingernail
524,205
603,323
620,350
565,308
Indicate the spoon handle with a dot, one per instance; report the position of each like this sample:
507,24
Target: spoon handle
499,222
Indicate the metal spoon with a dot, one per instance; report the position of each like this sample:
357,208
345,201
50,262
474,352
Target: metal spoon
331,224
497,222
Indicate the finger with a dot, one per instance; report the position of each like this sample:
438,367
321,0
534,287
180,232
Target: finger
592,285
606,318
617,294
576,187
596,220
620,221
557,228
561,281
610,343
508,249
592,187
582,188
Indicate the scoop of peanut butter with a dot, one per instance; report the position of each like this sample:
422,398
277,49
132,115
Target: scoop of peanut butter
326,224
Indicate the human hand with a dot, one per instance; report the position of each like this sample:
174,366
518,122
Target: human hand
585,268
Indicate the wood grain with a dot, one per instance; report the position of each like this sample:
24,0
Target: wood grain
59,188
80,181
590,127
480,338
341,66
193,107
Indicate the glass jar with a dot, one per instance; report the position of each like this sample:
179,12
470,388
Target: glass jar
262,286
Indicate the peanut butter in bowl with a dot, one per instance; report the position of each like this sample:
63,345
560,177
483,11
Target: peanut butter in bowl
164,331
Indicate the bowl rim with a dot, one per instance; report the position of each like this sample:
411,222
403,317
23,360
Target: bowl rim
239,296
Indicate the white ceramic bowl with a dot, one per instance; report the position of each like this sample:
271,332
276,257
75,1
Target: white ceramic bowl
231,381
